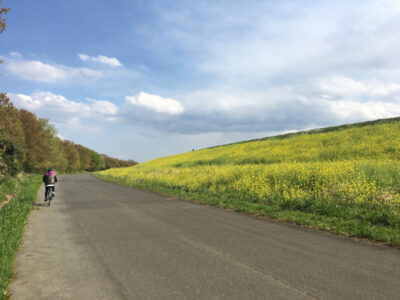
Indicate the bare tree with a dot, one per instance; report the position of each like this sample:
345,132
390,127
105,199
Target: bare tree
3,25
3,12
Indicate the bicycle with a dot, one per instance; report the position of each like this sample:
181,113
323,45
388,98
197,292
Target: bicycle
49,196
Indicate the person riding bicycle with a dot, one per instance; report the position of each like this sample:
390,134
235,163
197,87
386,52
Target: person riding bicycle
50,179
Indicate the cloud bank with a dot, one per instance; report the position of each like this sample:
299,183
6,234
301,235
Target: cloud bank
35,70
64,111
319,102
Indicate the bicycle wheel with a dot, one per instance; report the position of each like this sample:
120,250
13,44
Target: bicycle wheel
48,197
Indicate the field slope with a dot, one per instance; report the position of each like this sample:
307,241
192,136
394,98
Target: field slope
343,179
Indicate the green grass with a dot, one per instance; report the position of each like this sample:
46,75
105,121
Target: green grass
8,186
344,179
13,218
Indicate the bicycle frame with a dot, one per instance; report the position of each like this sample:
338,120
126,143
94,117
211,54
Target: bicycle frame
49,196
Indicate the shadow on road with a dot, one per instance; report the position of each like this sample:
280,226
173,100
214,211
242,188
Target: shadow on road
40,204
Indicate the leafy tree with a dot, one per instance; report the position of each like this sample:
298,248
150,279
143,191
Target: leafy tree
116,163
96,160
85,158
10,125
37,147
127,163
57,155
110,162
60,161
102,163
11,157
72,155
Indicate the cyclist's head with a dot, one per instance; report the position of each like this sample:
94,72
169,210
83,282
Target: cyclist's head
49,170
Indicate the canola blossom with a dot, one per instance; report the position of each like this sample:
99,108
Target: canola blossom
347,182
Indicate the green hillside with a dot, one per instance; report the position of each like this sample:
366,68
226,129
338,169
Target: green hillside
345,179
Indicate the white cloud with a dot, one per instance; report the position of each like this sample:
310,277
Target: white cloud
62,110
345,111
103,107
156,103
386,90
110,61
341,86
84,57
35,70
337,86
15,54
49,102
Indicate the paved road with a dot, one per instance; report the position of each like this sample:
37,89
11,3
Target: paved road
100,240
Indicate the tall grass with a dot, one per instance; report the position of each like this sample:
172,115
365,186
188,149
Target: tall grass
12,221
345,179
8,186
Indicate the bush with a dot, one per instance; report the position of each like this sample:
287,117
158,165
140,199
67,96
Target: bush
11,157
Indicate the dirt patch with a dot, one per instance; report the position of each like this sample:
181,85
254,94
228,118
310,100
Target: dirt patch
8,200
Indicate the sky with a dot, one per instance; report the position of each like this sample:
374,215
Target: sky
149,78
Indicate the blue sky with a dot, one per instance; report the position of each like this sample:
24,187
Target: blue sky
144,79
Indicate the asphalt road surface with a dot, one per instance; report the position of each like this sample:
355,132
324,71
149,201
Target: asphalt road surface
100,240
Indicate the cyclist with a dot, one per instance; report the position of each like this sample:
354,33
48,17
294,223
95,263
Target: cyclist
50,179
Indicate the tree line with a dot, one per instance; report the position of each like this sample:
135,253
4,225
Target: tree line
31,144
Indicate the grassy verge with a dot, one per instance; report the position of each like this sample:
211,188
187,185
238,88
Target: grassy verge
8,187
12,221
372,221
